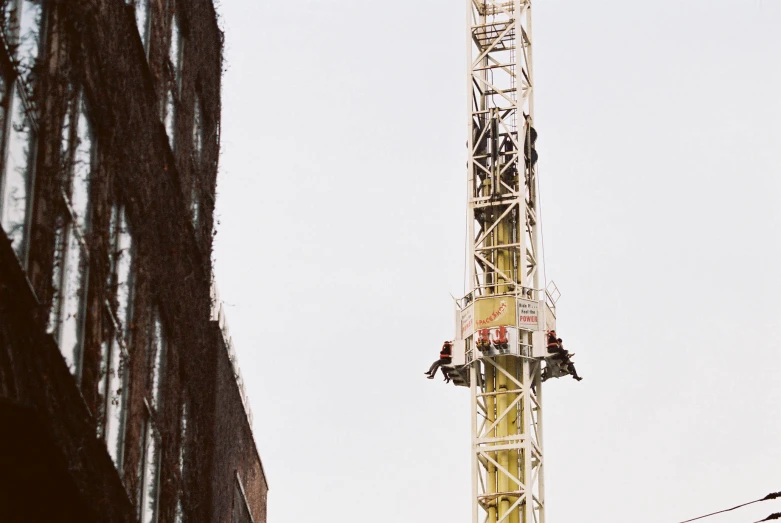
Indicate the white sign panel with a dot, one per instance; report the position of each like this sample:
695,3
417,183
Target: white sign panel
539,344
459,352
468,321
528,315
550,319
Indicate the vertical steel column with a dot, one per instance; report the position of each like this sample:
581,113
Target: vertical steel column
505,390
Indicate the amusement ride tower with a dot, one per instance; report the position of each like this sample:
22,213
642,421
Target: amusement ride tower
499,350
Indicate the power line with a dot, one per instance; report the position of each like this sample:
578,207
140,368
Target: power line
772,495
777,515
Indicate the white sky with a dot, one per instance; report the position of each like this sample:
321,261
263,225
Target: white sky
341,207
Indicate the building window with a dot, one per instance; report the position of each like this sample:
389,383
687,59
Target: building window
179,515
175,53
184,415
122,255
21,25
17,172
30,13
241,511
70,275
195,195
21,20
174,87
114,357
195,204
156,354
148,472
149,465
169,116
183,421
116,379
144,23
197,131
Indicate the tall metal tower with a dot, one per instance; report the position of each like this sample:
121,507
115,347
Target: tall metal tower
500,346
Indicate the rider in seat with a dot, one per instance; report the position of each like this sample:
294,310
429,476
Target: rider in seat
568,362
560,356
445,358
554,346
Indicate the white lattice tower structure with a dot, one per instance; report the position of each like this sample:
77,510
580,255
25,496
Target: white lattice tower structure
505,388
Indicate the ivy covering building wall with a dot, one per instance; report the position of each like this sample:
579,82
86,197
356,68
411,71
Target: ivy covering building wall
110,116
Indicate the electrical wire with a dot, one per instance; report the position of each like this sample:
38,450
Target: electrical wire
467,239
772,495
542,234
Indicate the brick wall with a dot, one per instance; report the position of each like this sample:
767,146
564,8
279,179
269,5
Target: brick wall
94,49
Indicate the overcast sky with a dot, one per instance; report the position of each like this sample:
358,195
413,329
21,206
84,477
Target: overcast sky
341,214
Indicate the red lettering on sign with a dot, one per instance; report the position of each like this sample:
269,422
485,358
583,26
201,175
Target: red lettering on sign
466,326
494,315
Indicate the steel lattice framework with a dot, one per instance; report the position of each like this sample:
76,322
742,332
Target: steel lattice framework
507,458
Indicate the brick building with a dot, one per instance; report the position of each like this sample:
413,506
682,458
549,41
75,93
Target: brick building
119,398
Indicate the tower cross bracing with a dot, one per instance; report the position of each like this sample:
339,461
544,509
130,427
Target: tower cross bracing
506,395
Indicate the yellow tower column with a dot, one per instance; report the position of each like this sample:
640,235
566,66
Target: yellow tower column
503,264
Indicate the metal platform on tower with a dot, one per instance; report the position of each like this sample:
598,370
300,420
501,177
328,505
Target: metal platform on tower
500,325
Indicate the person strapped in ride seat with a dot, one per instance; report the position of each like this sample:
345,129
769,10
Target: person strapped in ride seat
445,358
554,347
